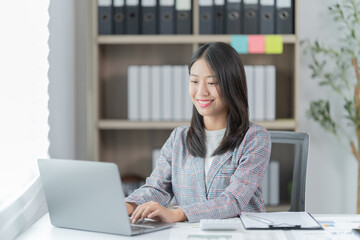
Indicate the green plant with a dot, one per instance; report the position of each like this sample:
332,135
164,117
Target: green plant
338,69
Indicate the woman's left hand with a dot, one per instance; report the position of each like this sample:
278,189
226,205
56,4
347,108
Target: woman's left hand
155,211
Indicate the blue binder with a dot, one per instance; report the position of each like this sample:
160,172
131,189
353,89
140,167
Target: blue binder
167,15
148,17
104,17
206,16
119,16
183,17
132,17
219,16
267,13
284,17
251,16
233,17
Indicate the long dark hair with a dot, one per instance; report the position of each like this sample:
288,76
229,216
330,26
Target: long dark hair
230,73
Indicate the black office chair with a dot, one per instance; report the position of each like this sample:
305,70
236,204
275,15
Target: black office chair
301,142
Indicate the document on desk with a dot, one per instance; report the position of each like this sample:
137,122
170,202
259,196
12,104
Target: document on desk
279,220
187,231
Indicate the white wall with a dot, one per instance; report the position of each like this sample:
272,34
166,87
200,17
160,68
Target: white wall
332,170
68,74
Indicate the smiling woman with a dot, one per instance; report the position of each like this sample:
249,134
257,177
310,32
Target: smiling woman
214,168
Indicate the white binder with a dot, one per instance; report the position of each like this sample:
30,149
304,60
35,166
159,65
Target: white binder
249,71
133,93
270,97
156,90
259,113
167,93
188,101
145,93
179,108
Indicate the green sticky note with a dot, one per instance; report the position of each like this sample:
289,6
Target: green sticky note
240,43
273,44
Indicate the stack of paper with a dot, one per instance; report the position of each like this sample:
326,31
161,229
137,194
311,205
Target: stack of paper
283,220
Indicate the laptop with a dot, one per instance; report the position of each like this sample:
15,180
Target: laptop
88,195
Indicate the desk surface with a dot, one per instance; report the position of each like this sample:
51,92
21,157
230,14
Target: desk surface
335,227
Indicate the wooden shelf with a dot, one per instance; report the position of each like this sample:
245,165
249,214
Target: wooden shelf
173,39
105,124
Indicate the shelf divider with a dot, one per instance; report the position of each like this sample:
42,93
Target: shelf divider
112,124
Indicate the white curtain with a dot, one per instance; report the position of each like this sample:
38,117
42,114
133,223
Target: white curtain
23,93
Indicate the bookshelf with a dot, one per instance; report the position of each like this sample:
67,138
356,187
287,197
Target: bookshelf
130,143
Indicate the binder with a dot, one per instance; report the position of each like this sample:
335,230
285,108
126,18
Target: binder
267,13
133,93
183,17
167,93
148,17
178,97
132,17
259,86
144,84
206,16
270,96
104,17
156,153
156,90
119,16
249,71
188,101
266,185
219,16
166,21
274,168
233,17
251,16
284,17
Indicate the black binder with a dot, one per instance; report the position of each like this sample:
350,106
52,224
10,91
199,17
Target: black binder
251,16
167,12
233,17
104,17
206,16
219,16
148,17
284,17
132,17
267,13
183,16
118,16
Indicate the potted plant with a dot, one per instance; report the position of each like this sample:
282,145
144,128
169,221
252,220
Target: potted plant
337,69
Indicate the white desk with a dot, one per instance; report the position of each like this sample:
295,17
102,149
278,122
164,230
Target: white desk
336,227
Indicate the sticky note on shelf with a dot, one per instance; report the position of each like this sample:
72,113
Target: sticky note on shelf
256,43
274,44
240,43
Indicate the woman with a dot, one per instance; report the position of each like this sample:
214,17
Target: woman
215,167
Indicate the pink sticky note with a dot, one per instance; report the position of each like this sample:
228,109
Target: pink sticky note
256,43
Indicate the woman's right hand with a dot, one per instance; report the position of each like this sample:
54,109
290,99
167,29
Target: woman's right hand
131,207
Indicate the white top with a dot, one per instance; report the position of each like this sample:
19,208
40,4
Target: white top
213,139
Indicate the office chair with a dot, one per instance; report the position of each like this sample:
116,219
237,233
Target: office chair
301,142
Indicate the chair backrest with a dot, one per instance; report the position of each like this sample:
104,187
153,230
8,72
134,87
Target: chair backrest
301,142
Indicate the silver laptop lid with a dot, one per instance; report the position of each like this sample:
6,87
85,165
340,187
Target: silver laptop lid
84,195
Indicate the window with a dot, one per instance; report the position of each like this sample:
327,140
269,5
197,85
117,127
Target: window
23,92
